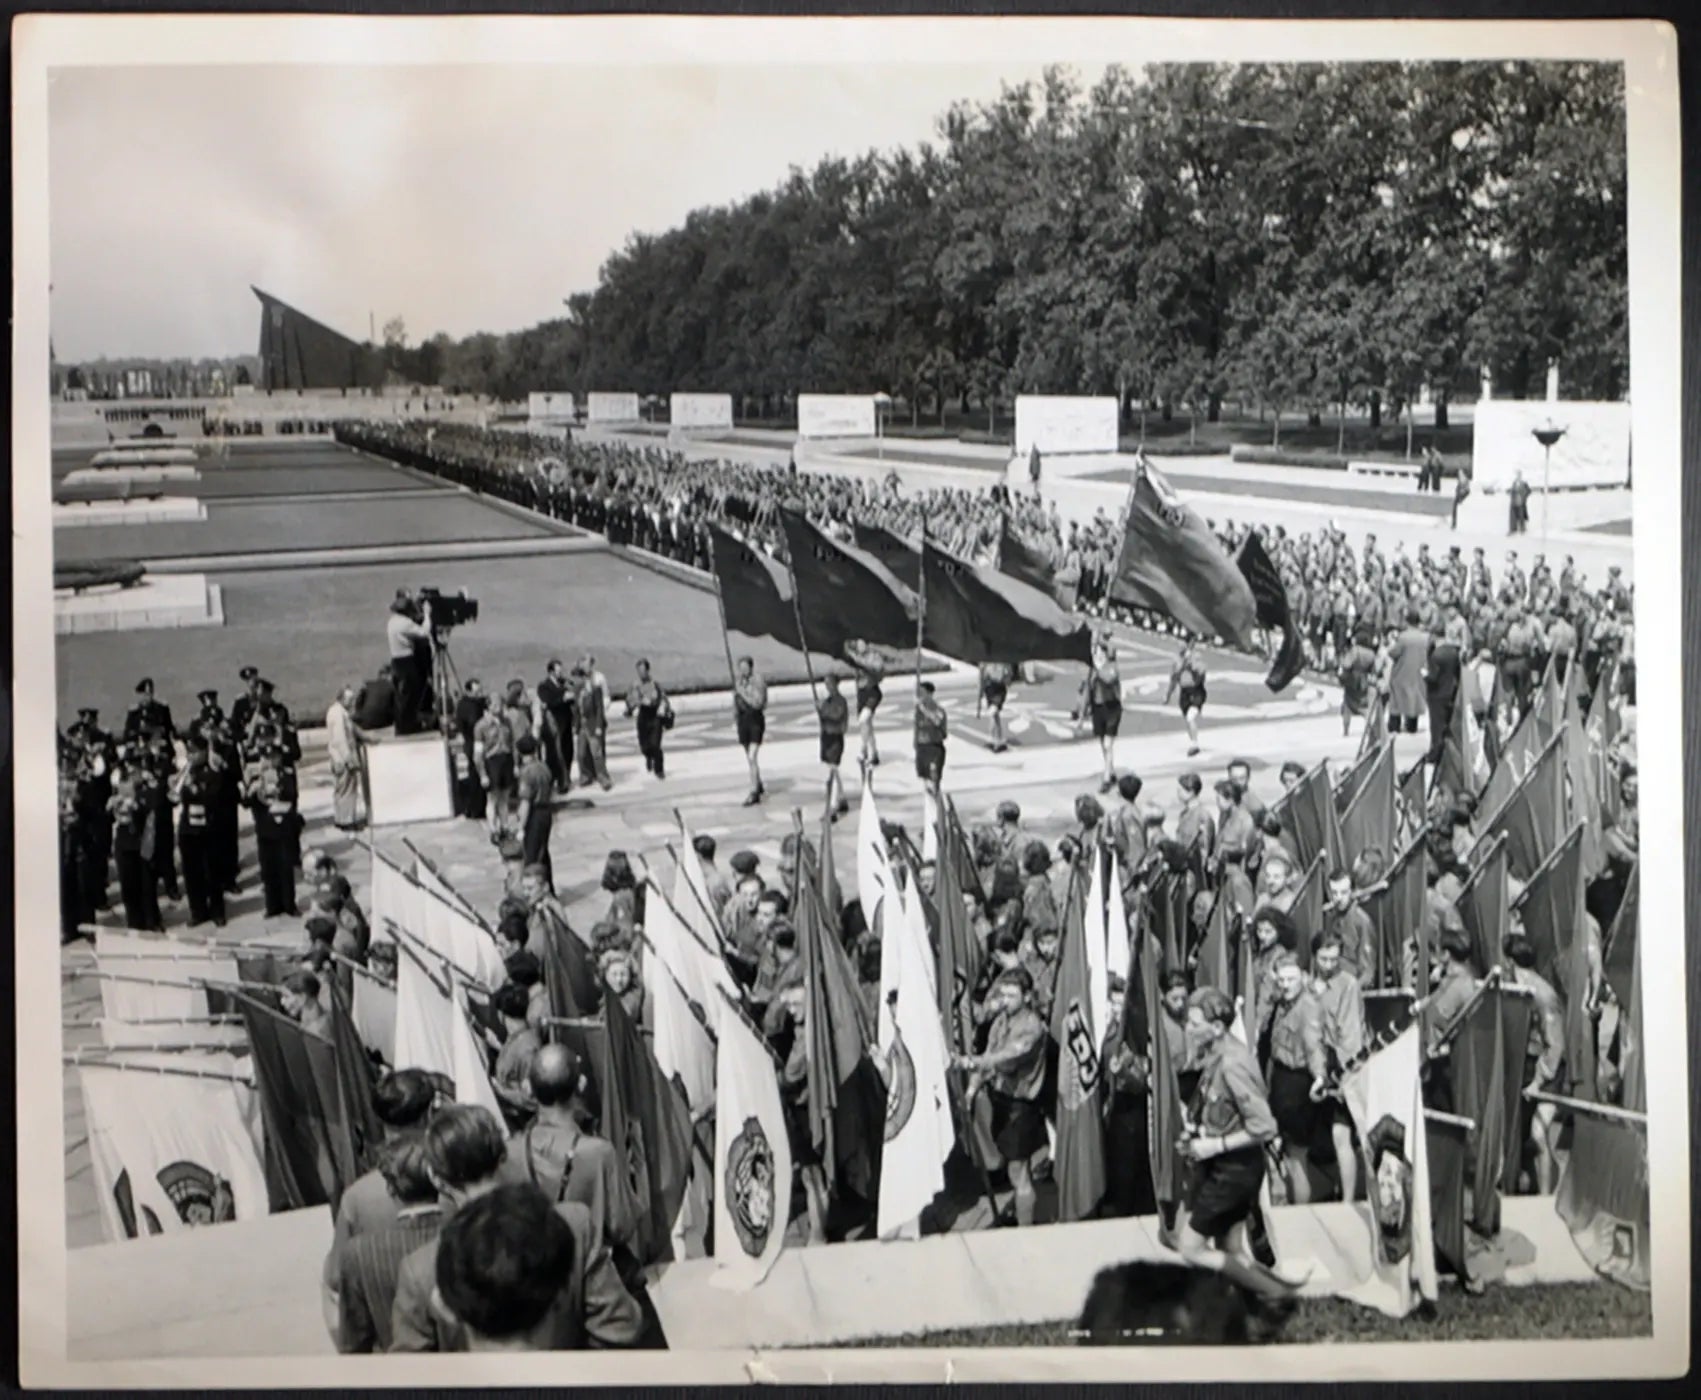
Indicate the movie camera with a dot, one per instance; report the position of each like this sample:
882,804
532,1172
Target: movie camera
448,609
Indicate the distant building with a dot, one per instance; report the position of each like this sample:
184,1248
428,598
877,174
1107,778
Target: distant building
297,352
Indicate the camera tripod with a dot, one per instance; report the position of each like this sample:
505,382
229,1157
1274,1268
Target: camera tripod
445,684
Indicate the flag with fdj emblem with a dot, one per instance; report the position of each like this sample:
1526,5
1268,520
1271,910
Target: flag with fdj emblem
1385,1099
753,1166
1603,1198
843,592
172,1152
755,591
1080,1169
918,1133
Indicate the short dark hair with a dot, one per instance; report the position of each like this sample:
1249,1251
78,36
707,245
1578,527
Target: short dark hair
1128,786
1213,1004
302,984
1338,873
1036,859
1191,782
402,1164
1173,979
524,969
503,1261
777,898
1227,787
1456,944
526,744
1327,939
1520,950
1293,765
704,846
512,1000
464,1144
403,1098
617,872
512,926
1287,932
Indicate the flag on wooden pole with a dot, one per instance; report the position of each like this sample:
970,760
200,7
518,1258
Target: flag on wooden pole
1080,1169
753,1164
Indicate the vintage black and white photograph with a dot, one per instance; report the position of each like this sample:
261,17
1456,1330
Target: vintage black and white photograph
789,699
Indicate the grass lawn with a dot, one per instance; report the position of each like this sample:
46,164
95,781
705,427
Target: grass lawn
310,631
1569,1312
259,526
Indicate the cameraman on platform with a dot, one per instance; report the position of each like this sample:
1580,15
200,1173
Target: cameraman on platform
409,634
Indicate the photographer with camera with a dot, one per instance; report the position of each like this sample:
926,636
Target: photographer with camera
408,633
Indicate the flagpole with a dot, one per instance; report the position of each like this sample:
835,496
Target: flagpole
75,1058
802,634
726,641
1612,1113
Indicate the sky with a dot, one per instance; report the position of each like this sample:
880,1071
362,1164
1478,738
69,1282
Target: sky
458,198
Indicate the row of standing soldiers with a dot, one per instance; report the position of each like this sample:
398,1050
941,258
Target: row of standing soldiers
132,802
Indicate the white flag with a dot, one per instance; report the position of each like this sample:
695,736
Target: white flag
424,1013
1098,949
681,1042
929,825
1116,927
1385,1099
752,1159
698,967
919,1133
172,1152
161,959
374,1015
470,1065
396,898
873,870
691,895
451,934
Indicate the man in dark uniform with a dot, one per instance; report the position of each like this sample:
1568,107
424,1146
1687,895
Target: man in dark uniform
555,697
76,907
195,790
243,709
148,715
930,730
534,787
162,759
270,788
96,754
134,831
1518,505
224,759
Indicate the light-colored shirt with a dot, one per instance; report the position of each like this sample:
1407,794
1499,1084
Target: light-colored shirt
401,632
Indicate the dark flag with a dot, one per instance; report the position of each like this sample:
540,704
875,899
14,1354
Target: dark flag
755,591
1412,804
1270,604
1477,1070
1215,949
892,550
1465,758
356,1079
979,615
1375,725
647,1121
1482,906
1170,896
1582,781
847,1105
1516,755
1165,1108
1348,787
1173,564
1551,907
1371,818
309,1148
959,949
1307,907
569,974
1619,956
1395,906
1448,1144
1603,1198
844,592
1307,809
1023,561
1533,816
1080,1168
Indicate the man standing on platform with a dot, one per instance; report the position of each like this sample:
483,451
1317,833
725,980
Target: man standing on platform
1518,505
409,642
343,741
591,702
271,792
750,706
555,703
1406,685
195,838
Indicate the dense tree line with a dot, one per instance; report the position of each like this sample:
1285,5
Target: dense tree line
1299,236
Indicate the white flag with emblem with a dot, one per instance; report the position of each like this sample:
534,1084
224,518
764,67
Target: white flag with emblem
170,1151
873,870
1098,951
752,1159
919,1133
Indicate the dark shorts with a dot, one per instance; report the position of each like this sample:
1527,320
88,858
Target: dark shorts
1225,1191
1018,1126
499,768
868,697
1107,721
994,692
752,725
929,761
1192,698
832,749
1290,1101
